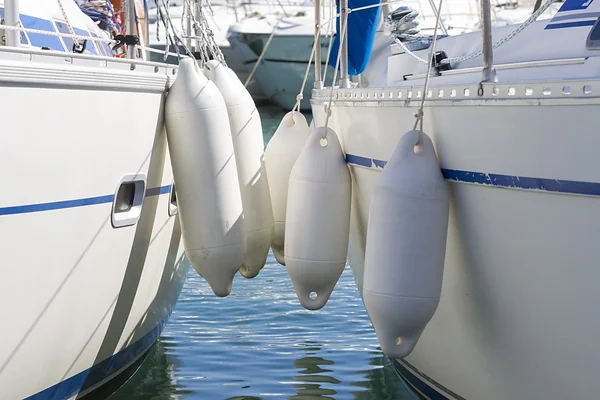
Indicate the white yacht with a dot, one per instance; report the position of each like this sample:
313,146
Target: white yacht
220,15
283,44
91,257
512,122
282,66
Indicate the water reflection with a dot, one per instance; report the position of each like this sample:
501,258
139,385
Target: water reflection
380,381
312,381
156,377
259,343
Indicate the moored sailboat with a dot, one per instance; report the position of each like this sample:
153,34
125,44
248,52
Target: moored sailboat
512,124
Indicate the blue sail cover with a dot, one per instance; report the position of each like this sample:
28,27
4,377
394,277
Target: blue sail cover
362,26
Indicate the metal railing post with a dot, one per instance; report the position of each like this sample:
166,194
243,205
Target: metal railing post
130,25
344,78
146,29
318,83
488,74
11,10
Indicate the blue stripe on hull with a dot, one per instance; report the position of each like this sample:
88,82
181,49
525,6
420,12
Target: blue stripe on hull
575,24
88,201
418,383
94,375
499,180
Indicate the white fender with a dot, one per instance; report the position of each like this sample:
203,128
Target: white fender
208,194
318,219
406,245
280,155
248,144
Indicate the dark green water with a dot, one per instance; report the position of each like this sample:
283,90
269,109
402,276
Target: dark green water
259,343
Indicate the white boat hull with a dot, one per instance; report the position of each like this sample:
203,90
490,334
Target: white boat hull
283,66
517,313
82,300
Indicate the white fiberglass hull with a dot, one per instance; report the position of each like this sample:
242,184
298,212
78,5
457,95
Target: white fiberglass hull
82,300
517,317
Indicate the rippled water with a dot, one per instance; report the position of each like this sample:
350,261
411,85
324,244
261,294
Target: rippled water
260,343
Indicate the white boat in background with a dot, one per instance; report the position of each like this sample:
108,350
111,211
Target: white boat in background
220,16
285,57
283,65
516,141
91,261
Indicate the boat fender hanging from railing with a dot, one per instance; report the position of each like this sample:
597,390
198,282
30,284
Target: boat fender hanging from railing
318,218
280,156
248,144
406,245
205,173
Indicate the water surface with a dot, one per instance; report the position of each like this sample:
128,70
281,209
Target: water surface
259,343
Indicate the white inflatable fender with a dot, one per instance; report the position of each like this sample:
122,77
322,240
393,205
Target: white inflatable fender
204,169
318,219
248,144
280,156
406,245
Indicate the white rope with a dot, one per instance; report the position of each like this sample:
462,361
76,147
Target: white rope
58,34
81,37
337,15
151,50
76,43
497,44
410,53
211,43
419,114
337,65
198,32
506,38
169,39
173,38
300,95
262,54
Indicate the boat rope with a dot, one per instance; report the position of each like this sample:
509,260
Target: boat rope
262,54
532,18
300,95
337,15
151,50
169,39
80,37
335,72
198,32
410,53
57,34
173,37
77,46
419,114
506,38
211,42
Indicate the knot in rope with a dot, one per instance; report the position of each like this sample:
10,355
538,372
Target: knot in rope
299,97
419,114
